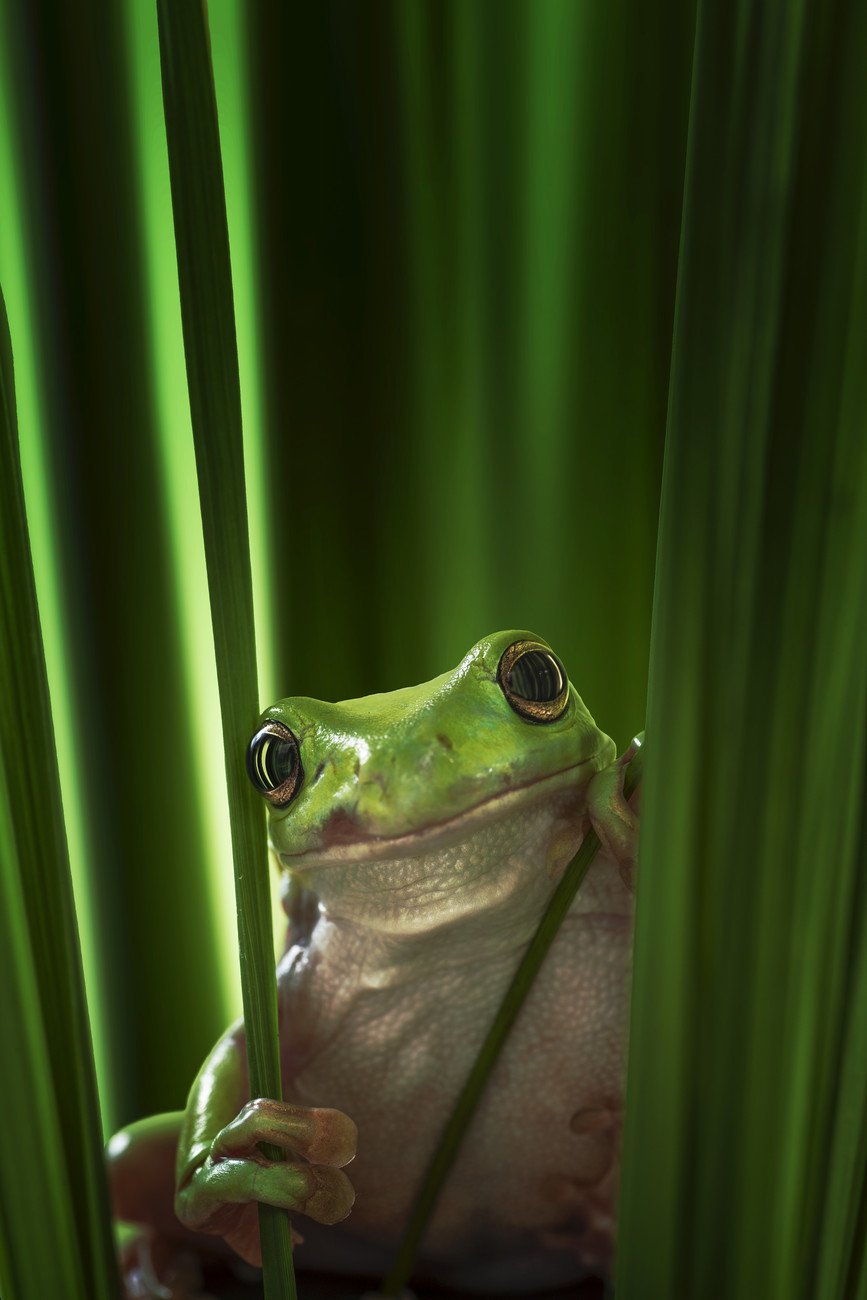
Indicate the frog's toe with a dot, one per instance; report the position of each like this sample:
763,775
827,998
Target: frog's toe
322,1193
323,1136
614,818
588,1234
216,1197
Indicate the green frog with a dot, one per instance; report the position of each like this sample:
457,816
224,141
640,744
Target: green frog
421,833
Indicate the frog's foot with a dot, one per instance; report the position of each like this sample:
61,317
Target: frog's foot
614,819
221,1194
154,1268
589,1230
592,1243
587,1197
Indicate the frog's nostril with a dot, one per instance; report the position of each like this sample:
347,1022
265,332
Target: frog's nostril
316,775
342,827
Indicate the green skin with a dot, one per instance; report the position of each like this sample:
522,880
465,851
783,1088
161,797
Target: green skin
384,777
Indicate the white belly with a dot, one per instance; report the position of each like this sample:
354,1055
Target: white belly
530,1199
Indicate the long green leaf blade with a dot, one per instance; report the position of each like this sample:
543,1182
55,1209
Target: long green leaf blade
204,274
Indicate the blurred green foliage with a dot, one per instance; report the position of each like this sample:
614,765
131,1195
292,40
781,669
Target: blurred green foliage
744,1163
50,1134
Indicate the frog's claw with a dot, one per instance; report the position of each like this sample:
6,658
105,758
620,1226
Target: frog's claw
221,1194
614,819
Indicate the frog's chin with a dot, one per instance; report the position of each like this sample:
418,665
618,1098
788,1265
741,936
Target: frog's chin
376,848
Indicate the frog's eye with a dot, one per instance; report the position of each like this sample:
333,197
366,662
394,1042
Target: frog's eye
274,763
534,681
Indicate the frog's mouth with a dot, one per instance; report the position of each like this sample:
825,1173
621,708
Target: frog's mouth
345,839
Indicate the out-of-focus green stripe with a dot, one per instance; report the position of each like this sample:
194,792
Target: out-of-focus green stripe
746,1087
33,1187
229,54
430,419
15,279
559,58
542,160
462,440
843,1193
205,769
79,195
51,1057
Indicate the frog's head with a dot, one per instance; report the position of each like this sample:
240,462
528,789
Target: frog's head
397,775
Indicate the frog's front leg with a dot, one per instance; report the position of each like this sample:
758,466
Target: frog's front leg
222,1174
615,819
189,1180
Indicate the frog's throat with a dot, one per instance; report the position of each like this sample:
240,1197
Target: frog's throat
376,848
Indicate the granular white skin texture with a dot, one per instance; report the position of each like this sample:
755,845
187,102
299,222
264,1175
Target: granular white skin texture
383,1013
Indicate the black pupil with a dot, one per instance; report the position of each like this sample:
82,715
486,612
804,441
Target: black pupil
270,760
537,675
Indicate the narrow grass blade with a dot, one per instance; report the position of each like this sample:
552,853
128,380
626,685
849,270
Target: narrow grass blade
204,274
489,1053
54,1178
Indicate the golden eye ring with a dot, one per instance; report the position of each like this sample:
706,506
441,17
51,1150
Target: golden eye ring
533,681
274,764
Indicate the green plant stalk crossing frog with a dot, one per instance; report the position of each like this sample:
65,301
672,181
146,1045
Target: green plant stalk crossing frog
422,833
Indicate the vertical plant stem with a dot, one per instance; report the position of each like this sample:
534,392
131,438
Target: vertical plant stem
207,311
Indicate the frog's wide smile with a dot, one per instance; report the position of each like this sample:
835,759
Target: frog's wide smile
346,840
